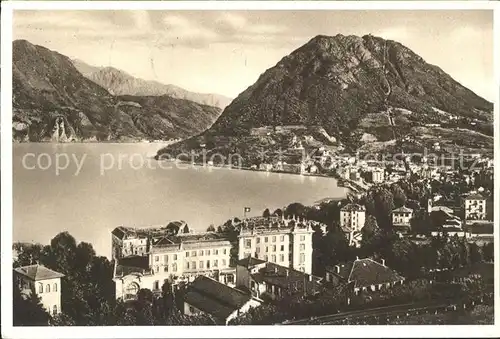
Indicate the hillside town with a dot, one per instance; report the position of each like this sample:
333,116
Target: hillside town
300,254
243,167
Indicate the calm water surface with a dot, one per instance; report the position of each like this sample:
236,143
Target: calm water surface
106,185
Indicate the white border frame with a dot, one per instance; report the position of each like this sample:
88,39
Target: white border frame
8,331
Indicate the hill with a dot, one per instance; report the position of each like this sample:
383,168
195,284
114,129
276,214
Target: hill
360,90
119,82
53,101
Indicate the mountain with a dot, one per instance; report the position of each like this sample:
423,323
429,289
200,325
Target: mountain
360,91
119,82
53,101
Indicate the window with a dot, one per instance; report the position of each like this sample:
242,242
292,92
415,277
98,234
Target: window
193,264
193,253
174,267
208,252
225,251
274,238
201,252
165,258
302,258
157,258
187,265
302,237
273,258
156,285
157,269
282,238
267,249
165,268
187,254
282,247
201,264
47,288
40,288
223,262
216,252
257,250
266,239
274,248
54,310
265,257
248,243
258,240
175,256
54,288
215,263
302,247
208,263
282,257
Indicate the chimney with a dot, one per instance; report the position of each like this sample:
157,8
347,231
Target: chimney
383,262
337,269
310,278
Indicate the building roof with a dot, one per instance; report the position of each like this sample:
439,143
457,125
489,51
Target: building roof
442,208
287,278
249,262
366,272
132,264
475,196
120,232
214,298
480,228
353,208
38,272
276,225
402,209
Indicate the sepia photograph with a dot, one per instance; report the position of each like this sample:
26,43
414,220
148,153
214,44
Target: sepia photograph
200,164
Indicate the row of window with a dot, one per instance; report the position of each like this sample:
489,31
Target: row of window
165,268
192,265
207,252
47,288
248,242
273,258
165,258
215,264
191,254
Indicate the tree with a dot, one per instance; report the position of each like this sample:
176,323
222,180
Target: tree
266,213
369,230
476,255
399,196
27,309
295,209
211,228
278,212
173,227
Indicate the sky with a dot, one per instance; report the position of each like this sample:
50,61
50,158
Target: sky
224,52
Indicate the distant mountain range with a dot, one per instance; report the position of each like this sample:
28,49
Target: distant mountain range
53,101
119,82
362,91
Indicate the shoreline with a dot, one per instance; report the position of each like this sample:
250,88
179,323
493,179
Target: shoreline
351,187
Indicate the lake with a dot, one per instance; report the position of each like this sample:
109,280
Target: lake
89,189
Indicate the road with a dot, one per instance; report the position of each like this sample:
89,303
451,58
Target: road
392,310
